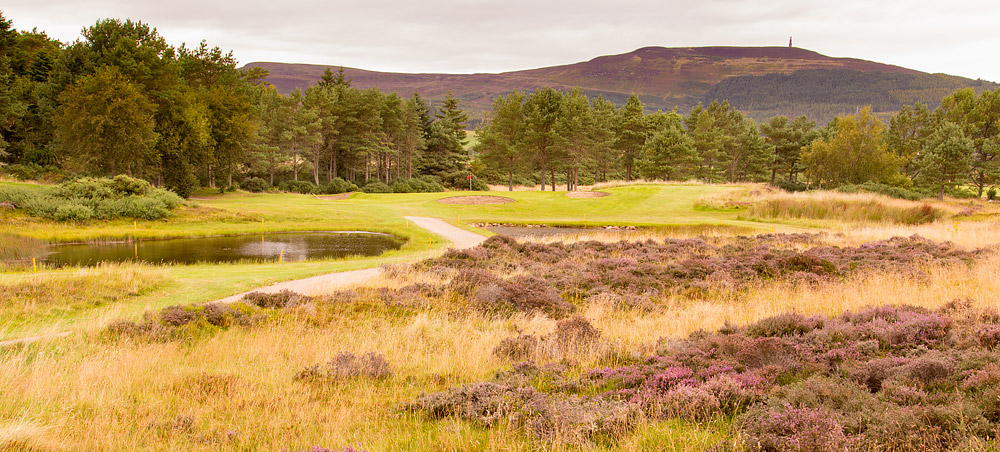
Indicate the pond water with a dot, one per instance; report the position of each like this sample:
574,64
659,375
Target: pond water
289,247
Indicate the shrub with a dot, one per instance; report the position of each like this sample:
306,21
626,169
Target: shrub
301,186
376,186
338,186
347,366
523,294
882,189
793,430
784,325
576,333
518,348
255,185
991,194
86,198
458,180
72,212
571,419
685,402
282,299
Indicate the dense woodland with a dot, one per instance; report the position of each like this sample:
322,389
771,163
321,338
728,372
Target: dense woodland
122,101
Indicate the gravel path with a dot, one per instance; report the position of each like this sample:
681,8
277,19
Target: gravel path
317,285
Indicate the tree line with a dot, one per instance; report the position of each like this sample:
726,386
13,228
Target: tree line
533,137
120,100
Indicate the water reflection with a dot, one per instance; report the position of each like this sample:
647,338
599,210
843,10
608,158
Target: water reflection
291,247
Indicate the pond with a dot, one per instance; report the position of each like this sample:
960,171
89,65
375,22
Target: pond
288,247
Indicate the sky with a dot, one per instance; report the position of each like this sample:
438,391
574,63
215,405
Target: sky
470,36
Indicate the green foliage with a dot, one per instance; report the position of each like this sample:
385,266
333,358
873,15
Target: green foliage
255,185
337,186
855,154
87,198
106,124
882,189
991,194
669,153
297,186
945,159
417,185
459,180
826,93
376,186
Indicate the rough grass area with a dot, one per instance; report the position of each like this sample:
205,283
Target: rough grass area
389,367
29,299
843,207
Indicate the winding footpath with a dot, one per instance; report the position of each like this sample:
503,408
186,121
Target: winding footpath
318,285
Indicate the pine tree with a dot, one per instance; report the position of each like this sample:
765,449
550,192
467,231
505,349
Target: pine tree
631,133
501,137
944,159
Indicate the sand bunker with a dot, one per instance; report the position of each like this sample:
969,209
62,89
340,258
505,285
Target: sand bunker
475,200
587,194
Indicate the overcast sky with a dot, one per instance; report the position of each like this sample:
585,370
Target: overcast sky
453,36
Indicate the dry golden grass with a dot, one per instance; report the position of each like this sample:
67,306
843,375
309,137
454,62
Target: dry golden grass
236,390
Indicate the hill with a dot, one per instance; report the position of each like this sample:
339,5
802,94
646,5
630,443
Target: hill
762,81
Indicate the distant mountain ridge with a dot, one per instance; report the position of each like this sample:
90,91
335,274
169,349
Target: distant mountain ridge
761,81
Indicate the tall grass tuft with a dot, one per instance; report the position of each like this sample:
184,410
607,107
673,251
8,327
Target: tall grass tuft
856,208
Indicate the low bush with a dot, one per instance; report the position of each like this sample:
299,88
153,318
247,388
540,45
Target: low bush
88,198
255,185
882,189
338,186
347,366
376,186
190,321
297,186
459,180
886,379
685,267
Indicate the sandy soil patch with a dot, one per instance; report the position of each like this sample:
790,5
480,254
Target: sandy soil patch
475,200
587,194
336,197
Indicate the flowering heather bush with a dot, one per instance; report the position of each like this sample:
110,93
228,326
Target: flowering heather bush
186,322
793,430
283,299
346,366
891,378
572,336
557,418
641,270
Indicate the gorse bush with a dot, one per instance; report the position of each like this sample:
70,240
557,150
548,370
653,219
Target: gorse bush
88,198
